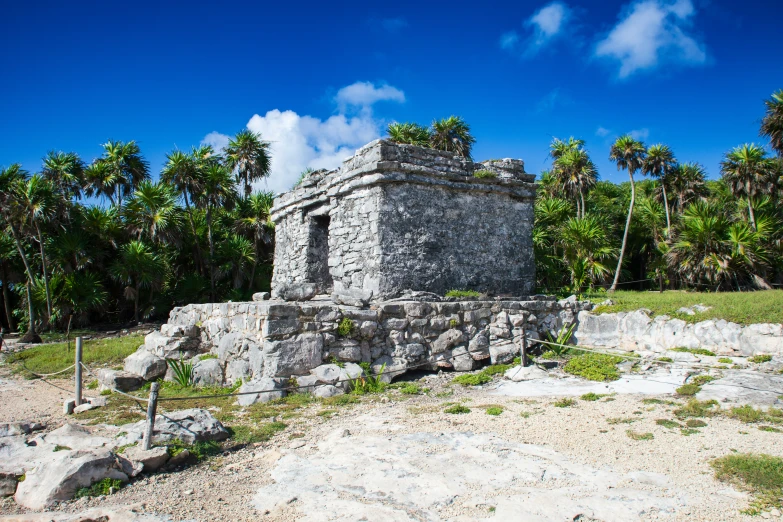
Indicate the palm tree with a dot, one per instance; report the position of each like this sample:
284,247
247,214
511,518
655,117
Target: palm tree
452,134
238,253
38,201
117,172
137,267
629,155
687,182
6,256
410,133
660,163
218,192
250,157
14,215
772,123
65,171
152,212
255,220
749,173
574,170
585,248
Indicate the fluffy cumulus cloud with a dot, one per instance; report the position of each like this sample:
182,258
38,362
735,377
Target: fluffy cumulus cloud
299,141
543,27
650,33
640,134
602,132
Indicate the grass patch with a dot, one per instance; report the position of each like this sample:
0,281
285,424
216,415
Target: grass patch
564,403
621,420
346,328
758,359
688,431
725,360
594,366
666,423
457,409
694,351
409,388
591,396
701,380
50,358
660,401
494,410
57,447
747,414
102,487
665,359
639,436
771,429
695,423
463,293
247,434
688,390
525,414
326,414
340,400
764,306
485,174
474,379
207,356
696,408
759,474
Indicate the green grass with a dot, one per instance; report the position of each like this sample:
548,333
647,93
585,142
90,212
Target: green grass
764,306
409,388
701,380
688,390
346,328
102,487
57,447
758,359
483,377
485,174
50,358
621,420
463,293
666,423
665,359
594,366
759,474
494,410
725,360
457,409
591,396
256,433
694,351
564,403
639,436
696,408
695,423
771,429
56,337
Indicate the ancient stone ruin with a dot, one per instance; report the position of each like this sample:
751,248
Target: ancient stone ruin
400,217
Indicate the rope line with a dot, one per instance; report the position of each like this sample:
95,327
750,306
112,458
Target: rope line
42,375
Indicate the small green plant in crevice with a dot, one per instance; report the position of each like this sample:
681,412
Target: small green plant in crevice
453,323
564,403
688,390
494,410
695,423
334,360
368,383
694,351
639,436
484,174
561,342
725,360
57,447
550,355
594,366
758,359
182,372
666,423
463,294
759,474
457,409
208,356
21,477
92,385
665,359
102,487
591,396
701,380
346,328
696,408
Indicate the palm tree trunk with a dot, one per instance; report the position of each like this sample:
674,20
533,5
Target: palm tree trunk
666,206
7,298
582,197
136,304
31,335
750,206
211,254
625,236
45,274
199,255
578,213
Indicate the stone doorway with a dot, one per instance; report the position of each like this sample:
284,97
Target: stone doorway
318,254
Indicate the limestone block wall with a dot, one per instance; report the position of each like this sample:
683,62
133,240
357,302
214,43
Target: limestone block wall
281,339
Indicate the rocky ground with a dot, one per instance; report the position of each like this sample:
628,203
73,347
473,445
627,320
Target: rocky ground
398,457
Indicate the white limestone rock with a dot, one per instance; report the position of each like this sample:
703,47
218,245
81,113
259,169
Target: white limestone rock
146,365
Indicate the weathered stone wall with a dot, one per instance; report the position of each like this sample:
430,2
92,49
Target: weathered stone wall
278,339
637,331
402,217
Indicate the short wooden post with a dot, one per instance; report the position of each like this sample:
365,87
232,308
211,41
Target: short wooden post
78,372
524,348
152,408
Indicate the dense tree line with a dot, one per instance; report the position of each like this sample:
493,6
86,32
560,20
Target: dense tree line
101,242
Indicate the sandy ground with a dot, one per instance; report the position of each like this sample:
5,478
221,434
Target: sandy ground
223,488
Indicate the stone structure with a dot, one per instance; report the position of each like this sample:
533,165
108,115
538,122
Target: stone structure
401,217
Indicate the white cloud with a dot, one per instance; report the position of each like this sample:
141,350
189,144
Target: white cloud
548,22
364,94
602,132
300,141
651,33
640,134
216,140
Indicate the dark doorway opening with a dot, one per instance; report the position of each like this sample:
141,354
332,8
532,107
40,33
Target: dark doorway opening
318,254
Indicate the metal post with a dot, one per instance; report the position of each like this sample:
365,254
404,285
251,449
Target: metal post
524,348
78,372
152,407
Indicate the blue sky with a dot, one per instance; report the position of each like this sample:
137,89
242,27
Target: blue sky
320,80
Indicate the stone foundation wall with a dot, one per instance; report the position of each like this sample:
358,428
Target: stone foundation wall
280,339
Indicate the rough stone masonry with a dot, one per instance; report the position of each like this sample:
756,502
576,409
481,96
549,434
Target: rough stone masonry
401,217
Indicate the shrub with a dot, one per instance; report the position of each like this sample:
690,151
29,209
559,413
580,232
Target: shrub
701,380
688,389
457,409
666,423
564,403
695,423
696,408
590,396
183,372
747,413
759,474
594,367
463,293
639,436
760,359
102,487
494,410
485,174
725,360
368,383
346,328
